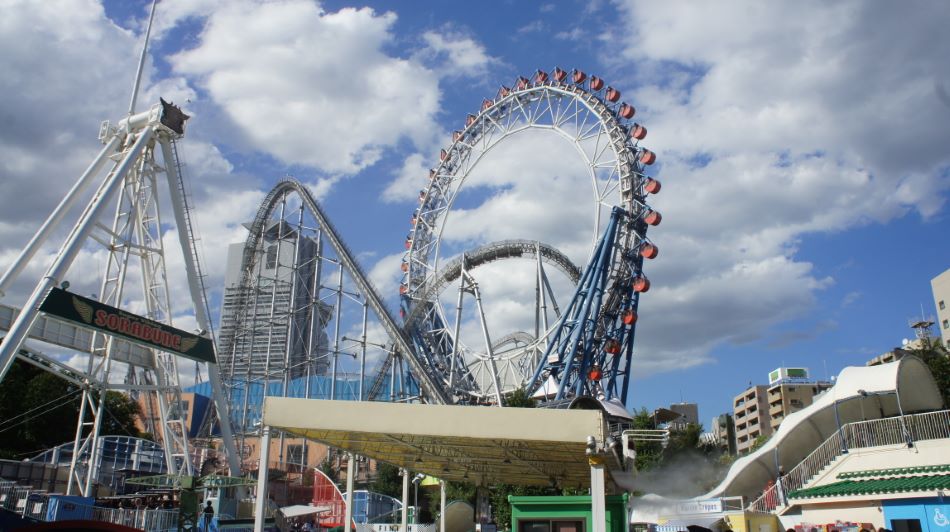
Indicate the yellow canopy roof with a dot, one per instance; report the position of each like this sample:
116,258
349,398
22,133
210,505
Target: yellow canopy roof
525,446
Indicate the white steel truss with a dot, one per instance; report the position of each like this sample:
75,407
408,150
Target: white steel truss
133,242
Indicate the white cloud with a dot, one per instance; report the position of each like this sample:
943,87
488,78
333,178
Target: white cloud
771,126
283,74
61,60
411,176
455,54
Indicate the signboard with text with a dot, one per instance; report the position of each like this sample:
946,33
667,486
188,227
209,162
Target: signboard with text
100,317
708,506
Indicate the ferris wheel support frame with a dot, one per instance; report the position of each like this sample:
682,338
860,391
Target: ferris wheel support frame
585,111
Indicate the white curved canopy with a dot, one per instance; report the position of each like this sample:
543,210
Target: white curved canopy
860,393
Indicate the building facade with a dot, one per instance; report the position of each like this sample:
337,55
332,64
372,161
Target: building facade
750,414
724,427
276,323
941,291
786,397
689,413
760,409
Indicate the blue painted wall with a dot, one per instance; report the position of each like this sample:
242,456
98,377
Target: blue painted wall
933,512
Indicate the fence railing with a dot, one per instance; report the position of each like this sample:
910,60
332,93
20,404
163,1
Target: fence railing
900,430
34,504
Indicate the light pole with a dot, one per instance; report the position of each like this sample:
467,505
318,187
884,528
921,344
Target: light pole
844,444
415,505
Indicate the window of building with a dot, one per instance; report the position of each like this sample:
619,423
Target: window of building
946,324
296,454
941,305
272,257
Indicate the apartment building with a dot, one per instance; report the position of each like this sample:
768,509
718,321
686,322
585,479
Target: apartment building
941,291
689,413
750,414
724,429
787,396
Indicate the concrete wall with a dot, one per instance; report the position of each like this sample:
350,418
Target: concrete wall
927,452
868,511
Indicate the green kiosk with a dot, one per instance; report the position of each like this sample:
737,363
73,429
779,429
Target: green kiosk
568,513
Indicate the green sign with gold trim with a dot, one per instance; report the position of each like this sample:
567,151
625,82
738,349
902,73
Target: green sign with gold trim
97,316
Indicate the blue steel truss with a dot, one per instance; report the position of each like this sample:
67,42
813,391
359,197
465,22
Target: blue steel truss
593,338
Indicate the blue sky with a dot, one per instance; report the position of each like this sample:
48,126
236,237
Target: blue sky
803,157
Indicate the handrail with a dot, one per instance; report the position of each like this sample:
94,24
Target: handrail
859,434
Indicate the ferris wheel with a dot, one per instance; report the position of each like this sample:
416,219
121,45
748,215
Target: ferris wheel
590,115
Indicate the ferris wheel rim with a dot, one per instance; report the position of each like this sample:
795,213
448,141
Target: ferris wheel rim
600,112
607,119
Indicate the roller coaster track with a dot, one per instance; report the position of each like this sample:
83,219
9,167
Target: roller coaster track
505,249
433,392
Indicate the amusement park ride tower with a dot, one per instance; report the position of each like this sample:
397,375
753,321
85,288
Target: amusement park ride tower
138,150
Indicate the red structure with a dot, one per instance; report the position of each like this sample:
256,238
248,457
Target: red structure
328,498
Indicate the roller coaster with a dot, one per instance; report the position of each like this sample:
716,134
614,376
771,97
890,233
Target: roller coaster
319,300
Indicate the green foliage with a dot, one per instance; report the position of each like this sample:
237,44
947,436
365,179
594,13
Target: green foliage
759,442
121,413
649,454
388,481
501,508
520,398
459,491
39,410
326,467
684,466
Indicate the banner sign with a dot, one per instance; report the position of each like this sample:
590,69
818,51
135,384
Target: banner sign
94,315
708,506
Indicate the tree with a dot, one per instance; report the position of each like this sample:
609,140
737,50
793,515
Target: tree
649,454
326,467
520,398
684,467
121,414
759,442
388,481
454,491
39,410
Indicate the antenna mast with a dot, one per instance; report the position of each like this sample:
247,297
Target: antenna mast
138,72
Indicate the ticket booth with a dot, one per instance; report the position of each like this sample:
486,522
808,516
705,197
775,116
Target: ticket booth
567,513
